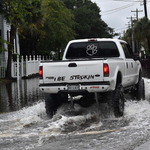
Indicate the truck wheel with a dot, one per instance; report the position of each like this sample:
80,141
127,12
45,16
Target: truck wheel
52,102
50,105
140,91
118,101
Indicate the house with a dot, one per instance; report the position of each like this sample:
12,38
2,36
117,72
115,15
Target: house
5,34
25,68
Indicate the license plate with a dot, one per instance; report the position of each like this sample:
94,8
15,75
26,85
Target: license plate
73,87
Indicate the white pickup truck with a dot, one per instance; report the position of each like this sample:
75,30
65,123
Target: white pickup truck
96,70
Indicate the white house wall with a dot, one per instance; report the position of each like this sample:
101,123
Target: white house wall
4,27
1,23
5,34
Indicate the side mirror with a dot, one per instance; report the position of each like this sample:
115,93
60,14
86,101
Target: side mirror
136,57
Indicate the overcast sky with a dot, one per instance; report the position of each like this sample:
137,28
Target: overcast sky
116,12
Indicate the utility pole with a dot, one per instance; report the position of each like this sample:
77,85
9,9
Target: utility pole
148,41
133,44
137,11
129,25
137,43
145,8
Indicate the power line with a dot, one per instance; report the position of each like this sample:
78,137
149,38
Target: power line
122,0
117,9
121,29
127,1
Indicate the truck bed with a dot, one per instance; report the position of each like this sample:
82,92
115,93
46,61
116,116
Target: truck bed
72,71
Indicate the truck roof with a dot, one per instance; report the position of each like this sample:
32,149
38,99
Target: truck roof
96,39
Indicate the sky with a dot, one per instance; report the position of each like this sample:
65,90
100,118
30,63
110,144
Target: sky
117,13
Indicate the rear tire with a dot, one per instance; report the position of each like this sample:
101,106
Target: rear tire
50,105
140,90
118,101
52,102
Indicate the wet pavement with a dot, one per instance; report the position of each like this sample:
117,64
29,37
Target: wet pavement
24,124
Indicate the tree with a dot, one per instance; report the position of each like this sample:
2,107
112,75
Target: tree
58,26
14,12
88,20
2,42
49,28
142,31
128,36
32,29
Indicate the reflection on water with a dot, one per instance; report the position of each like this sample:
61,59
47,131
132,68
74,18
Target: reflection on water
16,95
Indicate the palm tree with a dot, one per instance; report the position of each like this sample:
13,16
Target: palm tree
142,31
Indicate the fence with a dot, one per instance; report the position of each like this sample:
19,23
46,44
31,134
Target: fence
24,67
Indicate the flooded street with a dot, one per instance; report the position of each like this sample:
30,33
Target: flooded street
24,124
16,95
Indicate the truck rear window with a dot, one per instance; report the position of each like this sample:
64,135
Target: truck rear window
92,50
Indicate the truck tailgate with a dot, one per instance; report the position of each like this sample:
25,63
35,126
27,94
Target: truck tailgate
73,71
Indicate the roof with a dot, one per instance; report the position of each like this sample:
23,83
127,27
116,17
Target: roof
96,39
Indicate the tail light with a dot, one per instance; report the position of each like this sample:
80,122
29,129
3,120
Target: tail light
91,40
106,70
41,72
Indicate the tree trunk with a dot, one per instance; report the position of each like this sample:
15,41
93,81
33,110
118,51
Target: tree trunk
148,42
10,50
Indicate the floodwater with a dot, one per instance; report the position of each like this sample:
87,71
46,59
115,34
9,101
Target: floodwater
26,125
16,95
25,92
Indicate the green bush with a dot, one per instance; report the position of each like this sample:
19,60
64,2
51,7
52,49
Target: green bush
14,56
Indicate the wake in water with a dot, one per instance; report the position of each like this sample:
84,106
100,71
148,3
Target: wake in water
78,117
32,122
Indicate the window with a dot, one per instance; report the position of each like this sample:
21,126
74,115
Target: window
92,50
127,50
